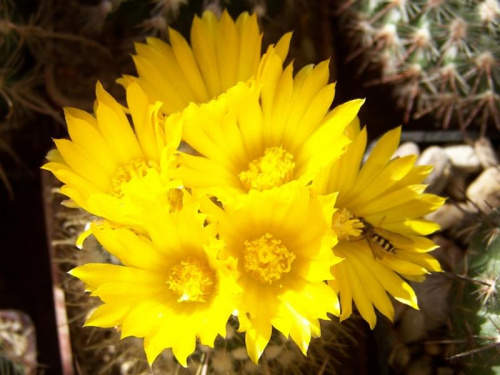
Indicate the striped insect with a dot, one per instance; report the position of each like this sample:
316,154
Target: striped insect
381,240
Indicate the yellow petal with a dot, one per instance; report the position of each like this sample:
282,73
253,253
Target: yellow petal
69,177
131,249
95,274
283,45
203,32
311,119
256,338
413,226
396,286
118,134
227,47
87,136
322,139
361,297
300,332
142,318
191,70
425,260
142,115
251,39
342,174
376,292
104,97
164,72
344,288
185,343
388,177
379,156
157,86
107,315
81,115
76,158
160,340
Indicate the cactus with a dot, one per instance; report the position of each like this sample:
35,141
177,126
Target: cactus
9,368
442,56
476,317
17,343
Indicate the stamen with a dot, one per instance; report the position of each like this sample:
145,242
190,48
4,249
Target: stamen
267,259
346,225
271,170
135,169
192,280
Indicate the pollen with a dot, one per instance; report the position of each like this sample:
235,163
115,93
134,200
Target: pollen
271,170
267,259
192,280
346,225
135,169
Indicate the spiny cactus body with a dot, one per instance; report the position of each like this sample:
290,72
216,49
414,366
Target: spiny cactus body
477,314
442,56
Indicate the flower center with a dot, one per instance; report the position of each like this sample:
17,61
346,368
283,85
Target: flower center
267,259
192,280
135,169
273,169
346,225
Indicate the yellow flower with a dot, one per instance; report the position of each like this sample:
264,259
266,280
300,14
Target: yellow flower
259,137
379,225
170,290
222,53
106,156
283,246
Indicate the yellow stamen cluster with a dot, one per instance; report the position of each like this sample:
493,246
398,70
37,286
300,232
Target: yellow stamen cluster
135,169
192,280
346,225
267,259
271,170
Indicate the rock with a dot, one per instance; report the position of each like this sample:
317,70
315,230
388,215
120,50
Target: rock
433,300
240,354
399,311
438,178
289,359
273,351
251,368
447,216
448,253
400,356
420,366
456,186
464,158
432,348
222,362
484,191
412,326
445,371
230,332
486,153
407,148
